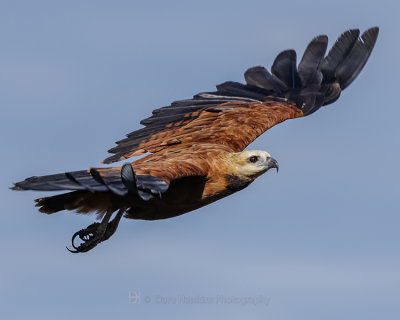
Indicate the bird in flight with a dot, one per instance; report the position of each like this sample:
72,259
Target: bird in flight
195,147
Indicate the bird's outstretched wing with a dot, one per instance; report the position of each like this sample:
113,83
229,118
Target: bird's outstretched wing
236,114
118,180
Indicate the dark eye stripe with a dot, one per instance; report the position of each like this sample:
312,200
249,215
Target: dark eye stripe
253,159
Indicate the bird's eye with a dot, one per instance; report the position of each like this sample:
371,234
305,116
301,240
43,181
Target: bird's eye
253,159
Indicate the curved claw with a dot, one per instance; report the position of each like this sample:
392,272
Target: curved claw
85,246
95,233
87,236
73,239
72,251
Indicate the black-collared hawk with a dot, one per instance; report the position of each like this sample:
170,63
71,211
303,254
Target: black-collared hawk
195,146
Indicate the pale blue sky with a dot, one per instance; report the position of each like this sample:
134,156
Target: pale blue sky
320,240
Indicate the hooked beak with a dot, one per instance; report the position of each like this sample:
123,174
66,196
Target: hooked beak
272,163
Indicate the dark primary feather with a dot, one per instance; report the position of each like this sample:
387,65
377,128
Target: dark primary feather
309,66
261,78
128,178
338,53
119,182
357,58
284,68
239,91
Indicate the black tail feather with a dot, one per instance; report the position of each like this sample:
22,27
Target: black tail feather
57,203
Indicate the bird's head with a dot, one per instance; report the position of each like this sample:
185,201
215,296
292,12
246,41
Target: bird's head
252,163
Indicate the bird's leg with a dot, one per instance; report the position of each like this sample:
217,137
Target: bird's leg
96,232
113,225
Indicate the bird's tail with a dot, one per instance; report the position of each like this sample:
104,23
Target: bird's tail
81,201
